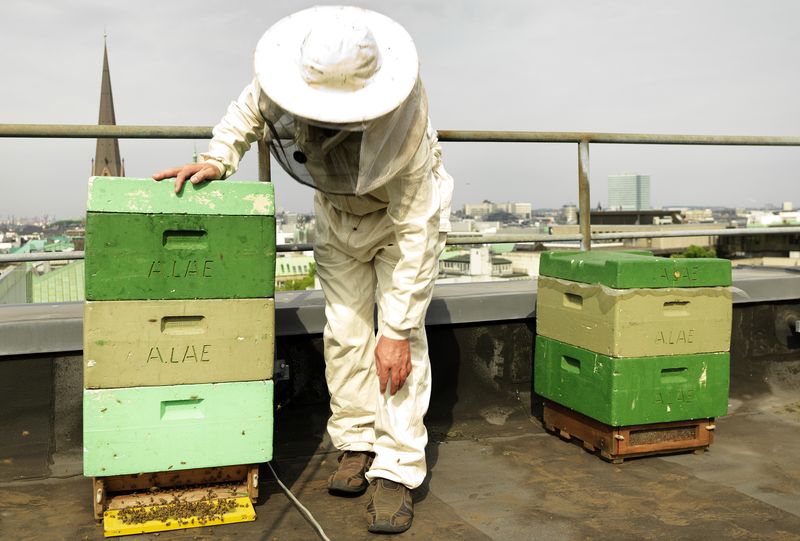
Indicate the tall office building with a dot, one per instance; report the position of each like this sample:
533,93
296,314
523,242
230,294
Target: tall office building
628,191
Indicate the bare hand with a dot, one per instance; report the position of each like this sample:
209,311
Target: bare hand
195,172
392,360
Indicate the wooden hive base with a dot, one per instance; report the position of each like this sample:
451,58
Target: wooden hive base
616,443
172,500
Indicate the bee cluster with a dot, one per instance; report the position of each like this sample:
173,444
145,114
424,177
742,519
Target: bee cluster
183,512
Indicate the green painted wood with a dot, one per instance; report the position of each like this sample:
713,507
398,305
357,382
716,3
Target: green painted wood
636,322
169,256
141,195
635,390
624,270
158,429
143,343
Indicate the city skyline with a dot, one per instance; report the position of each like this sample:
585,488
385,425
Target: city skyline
710,67
536,212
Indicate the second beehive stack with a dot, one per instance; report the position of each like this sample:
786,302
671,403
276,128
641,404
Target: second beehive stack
632,350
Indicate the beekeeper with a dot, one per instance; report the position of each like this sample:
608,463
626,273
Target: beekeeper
338,98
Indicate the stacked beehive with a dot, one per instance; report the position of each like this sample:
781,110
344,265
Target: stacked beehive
632,350
178,326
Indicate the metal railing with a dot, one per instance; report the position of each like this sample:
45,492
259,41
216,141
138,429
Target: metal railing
582,139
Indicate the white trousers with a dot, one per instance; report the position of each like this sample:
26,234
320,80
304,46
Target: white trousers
355,258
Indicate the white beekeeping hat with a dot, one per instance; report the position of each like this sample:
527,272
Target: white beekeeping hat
337,64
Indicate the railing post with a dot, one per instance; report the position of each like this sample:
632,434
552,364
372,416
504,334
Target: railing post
264,172
584,199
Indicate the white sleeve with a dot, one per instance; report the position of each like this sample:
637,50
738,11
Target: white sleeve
443,180
414,207
242,125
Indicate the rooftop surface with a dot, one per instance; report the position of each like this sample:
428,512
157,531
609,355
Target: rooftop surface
501,481
494,472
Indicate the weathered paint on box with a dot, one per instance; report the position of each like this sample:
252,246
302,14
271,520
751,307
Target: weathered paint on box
142,195
169,256
634,390
634,322
142,343
155,429
624,270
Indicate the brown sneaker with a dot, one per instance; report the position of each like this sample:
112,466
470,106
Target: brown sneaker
349,476
390,508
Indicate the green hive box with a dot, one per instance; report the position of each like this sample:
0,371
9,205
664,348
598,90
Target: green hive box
142,343
625,270
635,390
214,240
634,322
160,429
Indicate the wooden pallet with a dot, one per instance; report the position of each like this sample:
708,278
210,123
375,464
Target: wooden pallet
150,490
618,443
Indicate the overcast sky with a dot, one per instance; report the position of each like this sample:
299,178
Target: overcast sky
683,66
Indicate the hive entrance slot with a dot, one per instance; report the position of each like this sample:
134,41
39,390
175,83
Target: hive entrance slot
179,239
570,364
676,308
572,300
175,410
183,324
661,435
674,375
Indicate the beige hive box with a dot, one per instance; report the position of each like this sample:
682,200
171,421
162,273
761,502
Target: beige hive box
634,322
147,343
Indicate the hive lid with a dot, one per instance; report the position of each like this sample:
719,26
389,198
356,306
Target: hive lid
145,196
635,269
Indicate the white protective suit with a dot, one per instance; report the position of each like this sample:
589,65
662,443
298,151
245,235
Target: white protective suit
381,247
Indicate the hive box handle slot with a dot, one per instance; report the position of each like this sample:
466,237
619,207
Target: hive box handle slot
183,325
178,239
676,308
573,300
674,375
179,410
570,364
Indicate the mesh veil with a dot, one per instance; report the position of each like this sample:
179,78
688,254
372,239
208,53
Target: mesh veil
348,159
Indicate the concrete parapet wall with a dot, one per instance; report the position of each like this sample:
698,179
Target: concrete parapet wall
481,342
481,370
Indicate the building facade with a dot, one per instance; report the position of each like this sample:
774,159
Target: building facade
628,191
522,211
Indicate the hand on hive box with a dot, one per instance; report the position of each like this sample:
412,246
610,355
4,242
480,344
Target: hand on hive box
392,360
194,172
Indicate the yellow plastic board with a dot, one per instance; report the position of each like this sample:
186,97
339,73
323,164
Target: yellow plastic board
172,516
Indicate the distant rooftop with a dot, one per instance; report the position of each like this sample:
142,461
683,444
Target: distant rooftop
63,284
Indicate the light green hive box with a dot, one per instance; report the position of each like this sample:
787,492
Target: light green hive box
159,429
634,390
634,322
213,240
142,343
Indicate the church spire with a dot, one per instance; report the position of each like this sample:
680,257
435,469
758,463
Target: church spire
107,159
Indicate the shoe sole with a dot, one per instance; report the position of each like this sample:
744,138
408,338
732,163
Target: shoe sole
387,528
